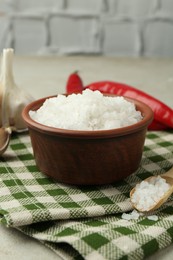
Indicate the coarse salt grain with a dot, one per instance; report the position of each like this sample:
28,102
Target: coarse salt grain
148,193
90,110
134,215
153,217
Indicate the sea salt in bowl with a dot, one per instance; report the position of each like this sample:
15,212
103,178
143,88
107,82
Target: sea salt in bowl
87,157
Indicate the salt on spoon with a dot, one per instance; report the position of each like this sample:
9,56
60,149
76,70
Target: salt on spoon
151,193
5,134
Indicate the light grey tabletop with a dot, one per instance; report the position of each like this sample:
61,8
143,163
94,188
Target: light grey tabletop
44,76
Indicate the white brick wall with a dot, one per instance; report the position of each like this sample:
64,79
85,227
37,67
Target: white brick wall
135,8
38,5
86,6
107,27
167,6
117,42
154,43
73,34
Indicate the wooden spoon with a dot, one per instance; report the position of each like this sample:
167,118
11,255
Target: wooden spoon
5,134
168,176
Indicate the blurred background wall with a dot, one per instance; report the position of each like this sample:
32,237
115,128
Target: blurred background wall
106,27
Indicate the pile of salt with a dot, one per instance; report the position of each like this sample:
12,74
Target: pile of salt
90,110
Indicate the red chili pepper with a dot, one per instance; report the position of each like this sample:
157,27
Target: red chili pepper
163,115
74,84
157,126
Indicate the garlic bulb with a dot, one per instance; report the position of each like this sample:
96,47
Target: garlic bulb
12,98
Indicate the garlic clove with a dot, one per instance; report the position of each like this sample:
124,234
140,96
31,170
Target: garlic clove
12,98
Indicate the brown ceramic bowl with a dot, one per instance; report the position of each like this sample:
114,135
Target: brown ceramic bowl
88,157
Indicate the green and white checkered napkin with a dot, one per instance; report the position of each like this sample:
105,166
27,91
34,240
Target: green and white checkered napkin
84,221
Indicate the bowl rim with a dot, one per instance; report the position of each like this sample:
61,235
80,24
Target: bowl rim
147,112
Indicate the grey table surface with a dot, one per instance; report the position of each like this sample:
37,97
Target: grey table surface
45,76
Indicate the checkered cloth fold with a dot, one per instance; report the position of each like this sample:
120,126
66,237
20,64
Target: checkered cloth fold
85,221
